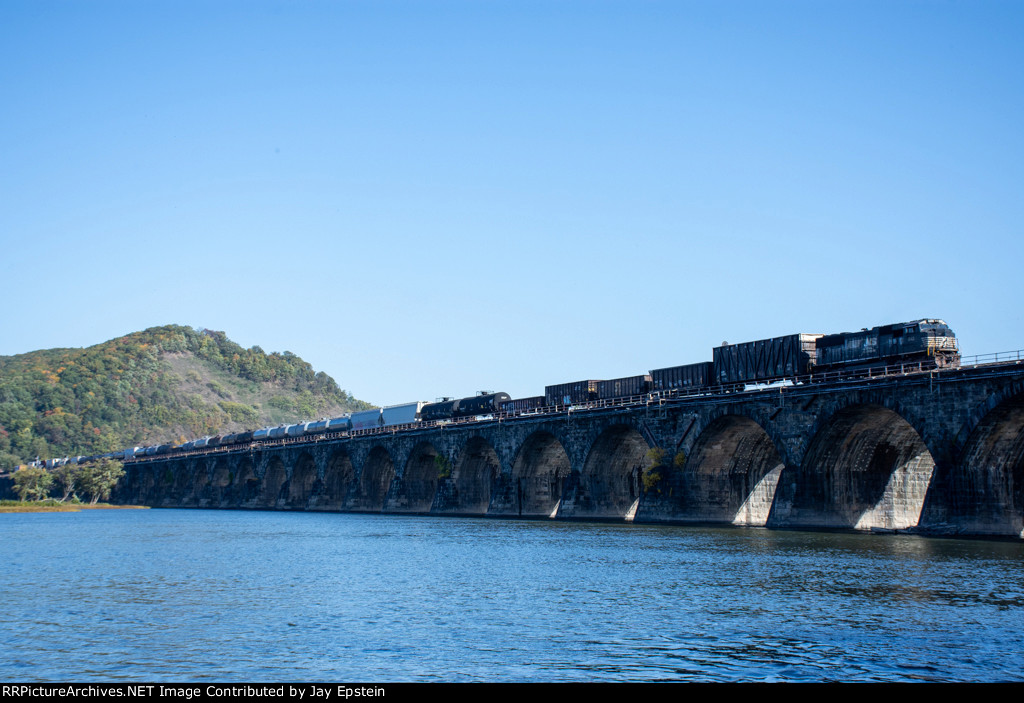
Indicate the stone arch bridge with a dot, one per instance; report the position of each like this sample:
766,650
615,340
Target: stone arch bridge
939,452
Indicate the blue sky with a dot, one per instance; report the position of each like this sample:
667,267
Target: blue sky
432,198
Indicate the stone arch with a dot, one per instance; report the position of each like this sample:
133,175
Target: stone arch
339,475
165,478
419,480
146,482
375,479
731,473
300,486
880,399
866,468
982,411
201,484
275,483
247,487
184,482
221,477
474,474
129,484
610,483
538,474
988,487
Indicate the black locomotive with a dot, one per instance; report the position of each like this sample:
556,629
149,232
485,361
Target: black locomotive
889,344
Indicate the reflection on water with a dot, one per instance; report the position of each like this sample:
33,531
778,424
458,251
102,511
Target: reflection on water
208,595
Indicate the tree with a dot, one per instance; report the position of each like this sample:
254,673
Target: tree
654,473
67,477
32,482
443,466
99,478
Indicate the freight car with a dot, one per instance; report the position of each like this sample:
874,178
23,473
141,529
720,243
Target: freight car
443,409
484,403
571,393
686,377
624,387
523,405
765,359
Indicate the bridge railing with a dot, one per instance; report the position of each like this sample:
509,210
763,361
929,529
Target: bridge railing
996,358
654,398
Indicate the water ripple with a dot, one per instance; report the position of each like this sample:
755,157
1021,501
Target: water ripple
206,595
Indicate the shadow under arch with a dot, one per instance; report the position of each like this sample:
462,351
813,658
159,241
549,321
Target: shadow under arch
145,483
201,491
185,475
339,477
538,473
866,468
275,484
610,483
375,480
418,485
221,479
987,493
731,474
475,472
246,487
165,478
300,486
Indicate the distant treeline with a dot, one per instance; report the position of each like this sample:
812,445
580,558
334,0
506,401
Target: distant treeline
58,402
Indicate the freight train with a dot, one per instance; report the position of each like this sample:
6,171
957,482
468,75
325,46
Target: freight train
926,343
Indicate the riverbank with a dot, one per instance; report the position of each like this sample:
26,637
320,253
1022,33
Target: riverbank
30,506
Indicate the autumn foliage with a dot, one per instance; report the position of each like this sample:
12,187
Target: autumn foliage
121,393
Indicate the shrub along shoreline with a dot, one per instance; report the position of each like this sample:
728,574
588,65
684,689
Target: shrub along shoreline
52,506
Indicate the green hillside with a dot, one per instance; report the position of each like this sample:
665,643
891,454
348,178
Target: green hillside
163,384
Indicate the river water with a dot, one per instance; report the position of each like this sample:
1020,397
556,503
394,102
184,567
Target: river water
192,595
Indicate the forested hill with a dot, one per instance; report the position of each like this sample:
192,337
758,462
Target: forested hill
164,384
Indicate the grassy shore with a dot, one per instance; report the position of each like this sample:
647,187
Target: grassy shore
53,506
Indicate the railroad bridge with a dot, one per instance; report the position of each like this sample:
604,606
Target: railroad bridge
938,452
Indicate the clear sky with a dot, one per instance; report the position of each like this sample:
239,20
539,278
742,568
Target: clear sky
432,198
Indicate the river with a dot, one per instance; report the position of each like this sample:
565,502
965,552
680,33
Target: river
193,595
